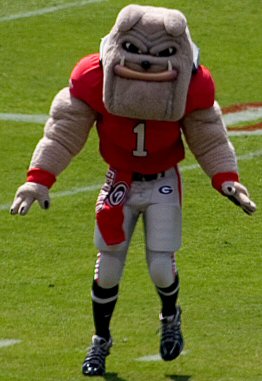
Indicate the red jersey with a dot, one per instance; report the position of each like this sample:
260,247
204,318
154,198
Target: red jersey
133,145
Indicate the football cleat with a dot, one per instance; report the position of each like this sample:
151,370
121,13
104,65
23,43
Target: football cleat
94,363
171,342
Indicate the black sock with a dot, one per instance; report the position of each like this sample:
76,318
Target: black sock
168,296
103,301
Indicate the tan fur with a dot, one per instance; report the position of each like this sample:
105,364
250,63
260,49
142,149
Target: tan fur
65,133
151,30
207,138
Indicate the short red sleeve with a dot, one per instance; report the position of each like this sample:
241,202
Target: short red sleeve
86,81
201,92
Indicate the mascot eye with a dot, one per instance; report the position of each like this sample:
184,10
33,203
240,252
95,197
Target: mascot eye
131,48
167,52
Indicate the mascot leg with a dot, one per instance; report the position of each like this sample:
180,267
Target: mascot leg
164,275
108,271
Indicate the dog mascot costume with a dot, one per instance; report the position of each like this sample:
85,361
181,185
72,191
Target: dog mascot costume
144,89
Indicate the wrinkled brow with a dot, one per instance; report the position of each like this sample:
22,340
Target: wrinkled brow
152,39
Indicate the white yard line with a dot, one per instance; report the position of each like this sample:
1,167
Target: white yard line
72,192
156,357
245,133
9,342
43,11
42,118
230,119
24,118
252,113
95,187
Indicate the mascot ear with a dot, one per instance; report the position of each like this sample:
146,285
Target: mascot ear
196,57
175,23
128,17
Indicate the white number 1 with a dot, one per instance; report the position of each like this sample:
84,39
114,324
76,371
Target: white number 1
140,140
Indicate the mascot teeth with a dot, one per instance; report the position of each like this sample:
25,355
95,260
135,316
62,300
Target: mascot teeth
122,62
163,76
169,64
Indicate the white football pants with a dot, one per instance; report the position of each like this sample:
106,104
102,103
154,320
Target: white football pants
159,203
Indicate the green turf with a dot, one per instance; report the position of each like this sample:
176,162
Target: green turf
47,258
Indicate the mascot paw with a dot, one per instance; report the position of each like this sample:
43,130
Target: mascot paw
239,195
26,195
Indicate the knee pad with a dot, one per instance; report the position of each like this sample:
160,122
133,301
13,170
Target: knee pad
161,267
109,268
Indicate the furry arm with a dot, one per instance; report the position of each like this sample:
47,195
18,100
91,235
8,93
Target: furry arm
207,138
65,133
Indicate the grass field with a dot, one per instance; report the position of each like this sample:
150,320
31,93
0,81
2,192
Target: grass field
47,258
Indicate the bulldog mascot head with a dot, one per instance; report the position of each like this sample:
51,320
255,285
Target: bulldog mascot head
148,61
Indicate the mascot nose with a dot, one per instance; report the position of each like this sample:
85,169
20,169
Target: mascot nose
145,65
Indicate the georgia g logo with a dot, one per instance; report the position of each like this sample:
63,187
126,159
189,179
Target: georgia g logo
118,194
166,189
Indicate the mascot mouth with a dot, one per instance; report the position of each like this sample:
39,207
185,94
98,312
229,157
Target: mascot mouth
163,76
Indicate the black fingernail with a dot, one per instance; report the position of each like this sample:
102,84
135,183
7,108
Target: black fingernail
46,204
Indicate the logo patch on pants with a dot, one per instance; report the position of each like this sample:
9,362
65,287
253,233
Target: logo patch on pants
118,194
166,189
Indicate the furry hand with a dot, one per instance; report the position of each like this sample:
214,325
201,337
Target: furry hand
239,195
26,195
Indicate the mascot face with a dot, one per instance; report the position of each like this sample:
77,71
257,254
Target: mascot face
147,61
